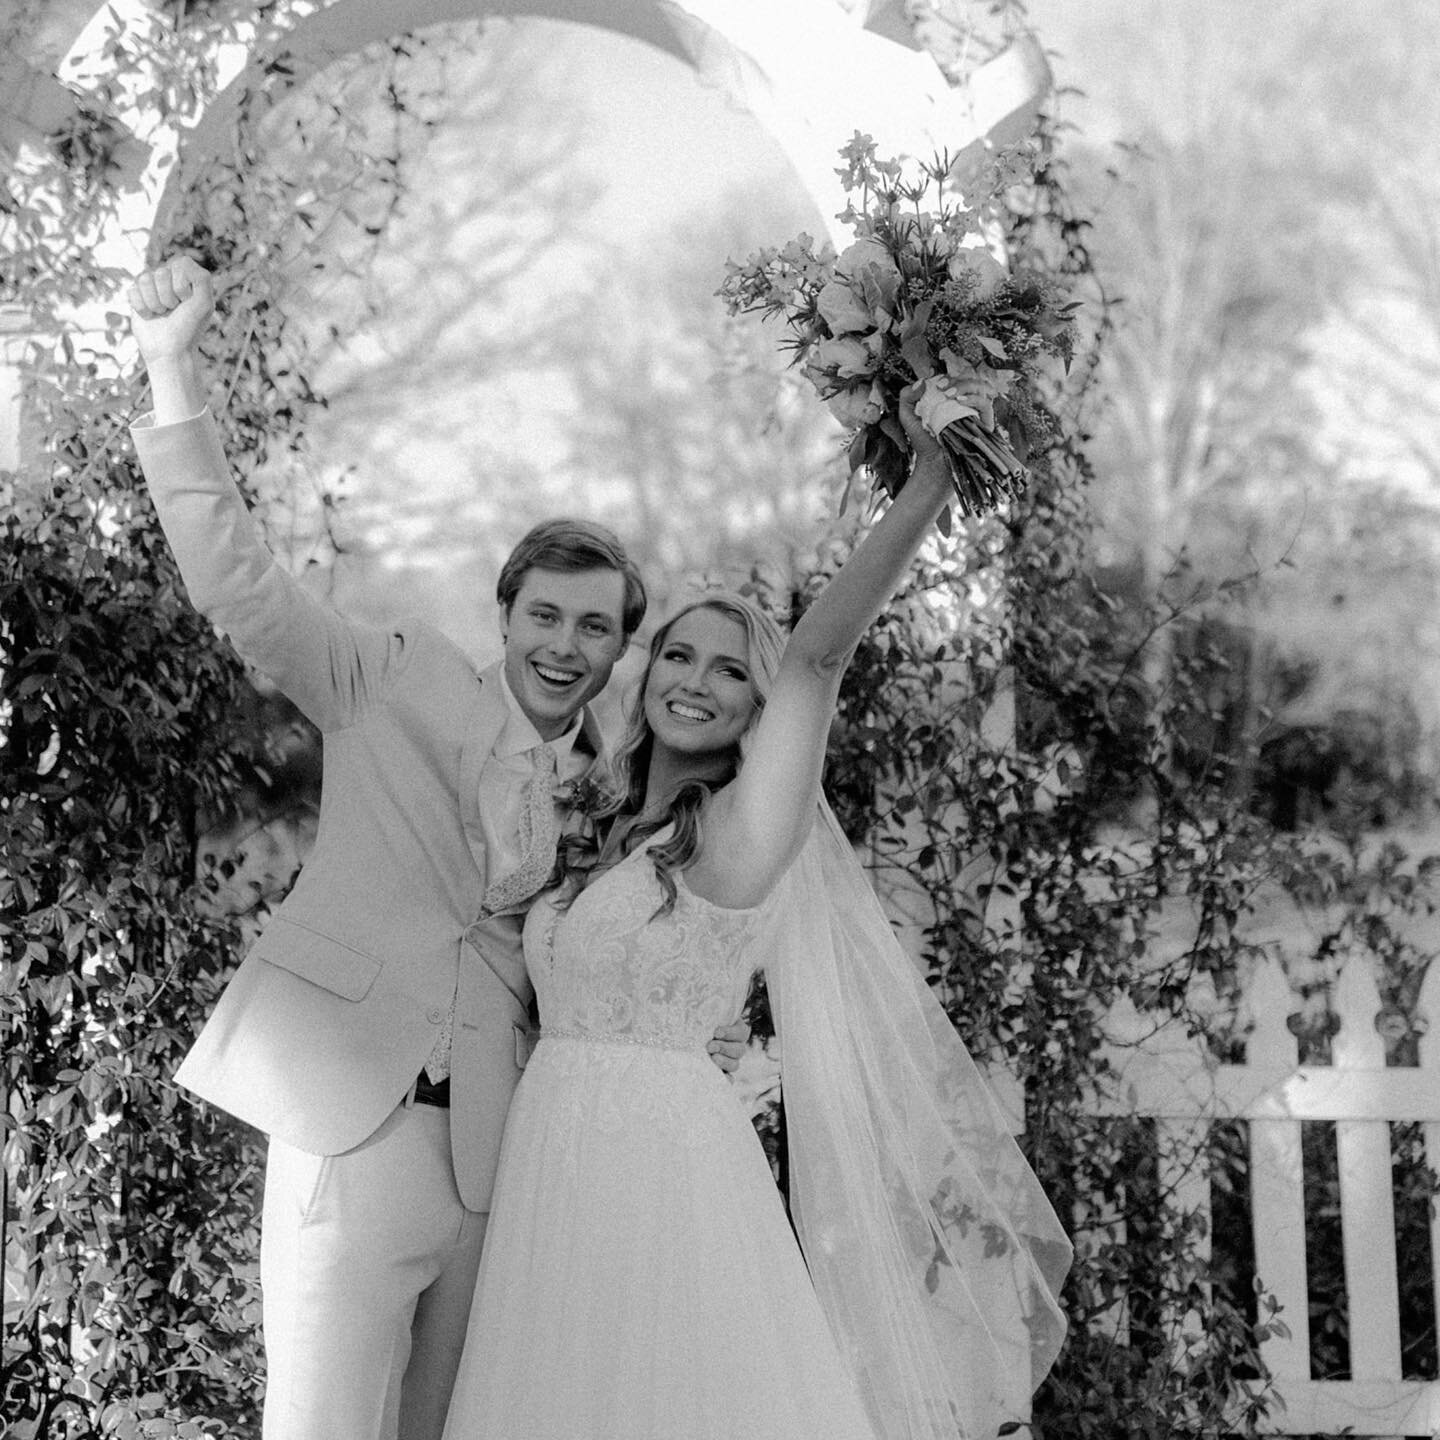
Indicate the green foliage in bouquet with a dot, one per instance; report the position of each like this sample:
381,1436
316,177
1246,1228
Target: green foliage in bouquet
920,299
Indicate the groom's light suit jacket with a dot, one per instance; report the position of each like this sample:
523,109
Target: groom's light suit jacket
335,1009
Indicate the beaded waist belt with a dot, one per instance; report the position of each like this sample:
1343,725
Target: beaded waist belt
652,1042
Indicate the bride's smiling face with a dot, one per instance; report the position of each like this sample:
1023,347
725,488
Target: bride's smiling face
700,697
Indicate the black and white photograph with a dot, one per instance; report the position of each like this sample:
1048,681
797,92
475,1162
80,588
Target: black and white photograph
719,719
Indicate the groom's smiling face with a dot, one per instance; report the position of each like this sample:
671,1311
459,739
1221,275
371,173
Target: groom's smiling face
563,634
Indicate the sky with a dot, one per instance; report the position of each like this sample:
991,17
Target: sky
664,144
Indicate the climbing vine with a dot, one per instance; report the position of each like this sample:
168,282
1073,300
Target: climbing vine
131,1213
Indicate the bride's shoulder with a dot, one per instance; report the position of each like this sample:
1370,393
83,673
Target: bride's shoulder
720,873
718,823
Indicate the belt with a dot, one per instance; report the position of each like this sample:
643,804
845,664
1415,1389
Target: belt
431,1092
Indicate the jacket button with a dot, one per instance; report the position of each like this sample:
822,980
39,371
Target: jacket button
436,1016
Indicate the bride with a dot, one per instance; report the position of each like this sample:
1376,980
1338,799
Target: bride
640,1277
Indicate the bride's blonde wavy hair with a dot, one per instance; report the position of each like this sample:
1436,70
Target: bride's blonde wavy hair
766,642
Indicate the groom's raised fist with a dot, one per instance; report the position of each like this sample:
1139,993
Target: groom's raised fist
170,305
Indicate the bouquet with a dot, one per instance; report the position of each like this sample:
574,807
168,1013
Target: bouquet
919,297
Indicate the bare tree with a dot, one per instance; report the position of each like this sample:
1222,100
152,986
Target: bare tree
1381,115
710,455
1271,236
1217,274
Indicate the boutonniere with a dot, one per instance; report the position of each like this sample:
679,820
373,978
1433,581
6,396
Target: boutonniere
584,801
583,796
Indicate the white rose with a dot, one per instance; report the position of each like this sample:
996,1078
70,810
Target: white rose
842,309
846,358
854,258
861,405
990,274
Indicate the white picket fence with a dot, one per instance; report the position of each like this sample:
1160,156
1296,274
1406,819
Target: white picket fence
1169,1076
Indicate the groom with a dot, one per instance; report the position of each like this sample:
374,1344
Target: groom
377,1029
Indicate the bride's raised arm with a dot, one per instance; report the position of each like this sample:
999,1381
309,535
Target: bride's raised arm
758,823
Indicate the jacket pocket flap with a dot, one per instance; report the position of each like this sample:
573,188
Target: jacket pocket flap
321,959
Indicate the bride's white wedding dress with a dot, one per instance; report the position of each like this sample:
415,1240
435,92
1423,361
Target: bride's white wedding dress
640,1277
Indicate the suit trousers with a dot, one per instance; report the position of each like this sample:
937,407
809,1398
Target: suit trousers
367,1267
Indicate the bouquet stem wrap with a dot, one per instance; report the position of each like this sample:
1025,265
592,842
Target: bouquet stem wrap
984,469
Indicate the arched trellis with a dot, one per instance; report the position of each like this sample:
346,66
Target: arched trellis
811,71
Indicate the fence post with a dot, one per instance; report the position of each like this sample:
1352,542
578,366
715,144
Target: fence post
1367,1195
1428,1008
1276,1199
15,332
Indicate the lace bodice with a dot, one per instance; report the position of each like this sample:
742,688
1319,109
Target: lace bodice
608,968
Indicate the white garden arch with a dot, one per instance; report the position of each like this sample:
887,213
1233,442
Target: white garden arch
810,71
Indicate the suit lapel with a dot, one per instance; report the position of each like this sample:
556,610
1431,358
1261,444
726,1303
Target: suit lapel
589,744
487,720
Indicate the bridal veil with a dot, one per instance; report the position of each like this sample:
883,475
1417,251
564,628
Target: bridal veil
934,1252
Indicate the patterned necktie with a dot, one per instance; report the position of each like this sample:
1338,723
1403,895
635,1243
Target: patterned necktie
537,839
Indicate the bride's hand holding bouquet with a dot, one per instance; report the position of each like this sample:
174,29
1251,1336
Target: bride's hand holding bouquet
919,299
